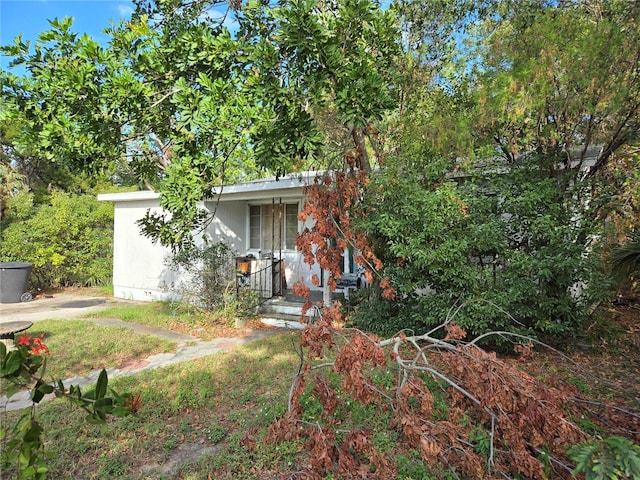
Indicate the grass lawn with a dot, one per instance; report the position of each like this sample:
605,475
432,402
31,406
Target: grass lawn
79,346
210,418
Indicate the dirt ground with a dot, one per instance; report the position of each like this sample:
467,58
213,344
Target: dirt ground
604,368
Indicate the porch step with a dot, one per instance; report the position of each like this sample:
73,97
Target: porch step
283,321
283,312
282,306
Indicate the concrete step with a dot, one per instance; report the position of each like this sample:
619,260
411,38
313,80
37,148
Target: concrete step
281,306
283,321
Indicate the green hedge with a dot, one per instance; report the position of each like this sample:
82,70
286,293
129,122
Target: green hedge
69,240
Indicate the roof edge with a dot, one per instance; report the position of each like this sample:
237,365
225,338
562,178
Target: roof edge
128,196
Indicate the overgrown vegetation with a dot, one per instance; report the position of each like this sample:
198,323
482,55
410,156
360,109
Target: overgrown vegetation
222,401
489,244
69,239
205,325
207,281
216,416
495,127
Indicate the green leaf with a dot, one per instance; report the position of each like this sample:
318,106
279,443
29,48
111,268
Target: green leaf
34,433
11,390
101,385
95,418
12,363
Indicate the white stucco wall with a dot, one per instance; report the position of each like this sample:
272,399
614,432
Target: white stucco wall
229,223
139,270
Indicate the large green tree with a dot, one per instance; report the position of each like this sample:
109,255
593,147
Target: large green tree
187,106
505,162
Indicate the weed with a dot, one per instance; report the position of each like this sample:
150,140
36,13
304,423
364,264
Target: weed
112,465
481,441
385,441
216,433
371,415
185,427
412,468
580,384
311,406
170,444
587,425
384,378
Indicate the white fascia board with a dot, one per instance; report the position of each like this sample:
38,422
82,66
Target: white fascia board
287,186
128,196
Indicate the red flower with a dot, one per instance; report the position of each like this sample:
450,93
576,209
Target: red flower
35,345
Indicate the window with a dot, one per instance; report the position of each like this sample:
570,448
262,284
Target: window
267,223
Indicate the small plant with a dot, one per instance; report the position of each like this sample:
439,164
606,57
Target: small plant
24,366
606,459
481,441
412,468
216,433
206,275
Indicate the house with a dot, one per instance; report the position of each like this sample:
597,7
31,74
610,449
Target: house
258,219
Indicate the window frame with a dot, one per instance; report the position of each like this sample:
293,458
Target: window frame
288,244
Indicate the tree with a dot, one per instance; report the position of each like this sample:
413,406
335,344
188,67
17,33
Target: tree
175,90
536,76
514,113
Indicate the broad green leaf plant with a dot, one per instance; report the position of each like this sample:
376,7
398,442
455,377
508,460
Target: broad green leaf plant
23,366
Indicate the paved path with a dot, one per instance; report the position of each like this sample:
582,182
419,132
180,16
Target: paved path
56,306
69,306
180,339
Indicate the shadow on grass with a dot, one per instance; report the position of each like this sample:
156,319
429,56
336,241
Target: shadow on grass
188,407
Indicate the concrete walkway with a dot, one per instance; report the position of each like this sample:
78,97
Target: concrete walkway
58,305
64,306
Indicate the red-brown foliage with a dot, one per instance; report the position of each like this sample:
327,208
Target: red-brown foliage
528,425
329,202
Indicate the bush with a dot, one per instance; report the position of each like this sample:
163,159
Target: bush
510,250
625,261
207,276
606,459
69,240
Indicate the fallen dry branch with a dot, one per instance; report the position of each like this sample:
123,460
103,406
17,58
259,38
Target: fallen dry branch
498,420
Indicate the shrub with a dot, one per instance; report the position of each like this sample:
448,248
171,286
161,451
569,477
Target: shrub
206,279
607,459
516,242
625,261
23,367
69,240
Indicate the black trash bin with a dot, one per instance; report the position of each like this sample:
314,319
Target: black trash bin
14,280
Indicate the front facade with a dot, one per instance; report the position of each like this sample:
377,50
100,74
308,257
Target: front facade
258,219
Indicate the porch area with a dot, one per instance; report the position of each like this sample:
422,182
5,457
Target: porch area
286,310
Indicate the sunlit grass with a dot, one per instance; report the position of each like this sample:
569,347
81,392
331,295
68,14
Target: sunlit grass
78,346
205,325
151,313
209,402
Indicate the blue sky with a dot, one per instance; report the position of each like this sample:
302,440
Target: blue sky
29,17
